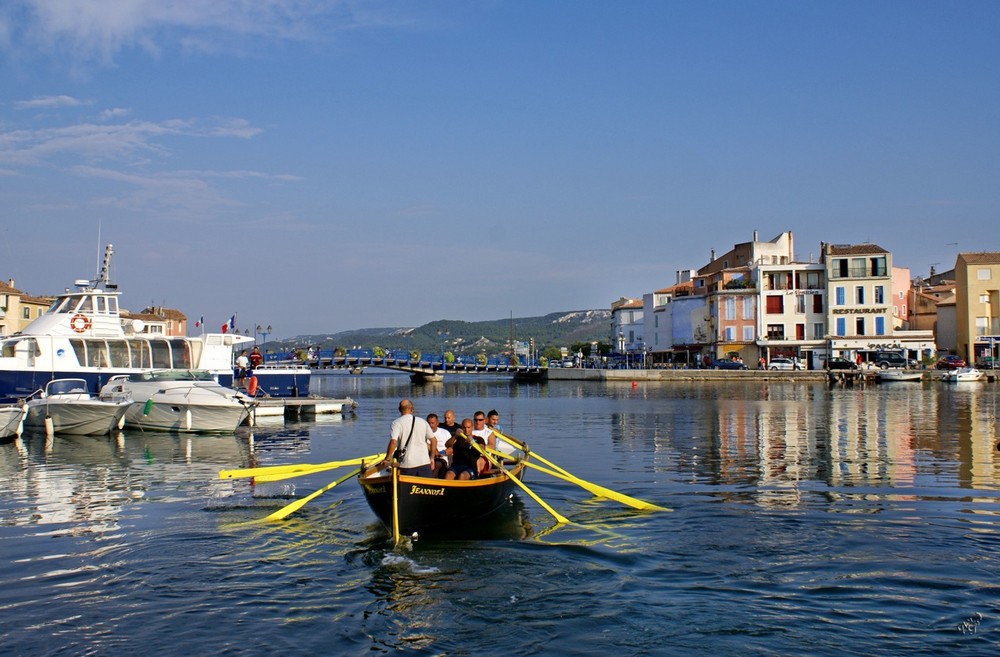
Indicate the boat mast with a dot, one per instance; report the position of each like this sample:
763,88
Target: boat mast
105,266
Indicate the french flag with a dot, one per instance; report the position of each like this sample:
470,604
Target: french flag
200,322
231,324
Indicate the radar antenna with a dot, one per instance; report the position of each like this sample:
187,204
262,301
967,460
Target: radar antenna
106,265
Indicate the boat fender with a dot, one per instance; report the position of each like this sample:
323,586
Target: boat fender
49,426
148,407
252,386
188,421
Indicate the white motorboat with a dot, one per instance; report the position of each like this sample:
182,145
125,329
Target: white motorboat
889,375
83,335
67,406
11,416
185,401
962,374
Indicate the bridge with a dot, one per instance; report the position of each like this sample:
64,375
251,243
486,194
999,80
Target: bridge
428,367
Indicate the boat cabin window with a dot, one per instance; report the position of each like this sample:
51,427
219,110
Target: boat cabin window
25,346
85,305
99,306
113,305
60,305
141,354
119,352
181,351
80,350
97,353
161,353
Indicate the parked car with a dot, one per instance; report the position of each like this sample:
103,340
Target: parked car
838,363
727,364
987,363
784,364
886,359
950,362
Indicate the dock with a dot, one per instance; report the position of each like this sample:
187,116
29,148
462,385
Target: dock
299,407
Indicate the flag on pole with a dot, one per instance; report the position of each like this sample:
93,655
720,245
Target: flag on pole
231,324
200,322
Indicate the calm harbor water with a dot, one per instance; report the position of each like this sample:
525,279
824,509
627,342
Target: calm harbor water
807,520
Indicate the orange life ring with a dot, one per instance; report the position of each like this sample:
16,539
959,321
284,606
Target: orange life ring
79,323
252,386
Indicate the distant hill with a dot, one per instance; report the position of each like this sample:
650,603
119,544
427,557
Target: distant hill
553,330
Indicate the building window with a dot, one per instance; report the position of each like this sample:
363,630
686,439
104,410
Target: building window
26,313
841,326
800,331
748,334
729,307
982,324
879,294
880,325
858,268
859,326
814,280
747,308
800,304
984,298
818,331
775,304
730,333
775,331
983,274
841,295
859,294
878,266
817,303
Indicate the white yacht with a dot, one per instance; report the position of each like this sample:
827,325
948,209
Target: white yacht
184,401
67,406
82,335
11,416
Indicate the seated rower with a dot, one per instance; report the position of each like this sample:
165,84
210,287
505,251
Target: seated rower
464,458
441,435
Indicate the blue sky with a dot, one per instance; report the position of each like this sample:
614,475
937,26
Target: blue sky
323,165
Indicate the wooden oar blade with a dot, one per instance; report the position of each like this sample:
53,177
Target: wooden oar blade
291,508
600,491
294,469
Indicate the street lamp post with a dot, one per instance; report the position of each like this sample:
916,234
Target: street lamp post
265,334
443,335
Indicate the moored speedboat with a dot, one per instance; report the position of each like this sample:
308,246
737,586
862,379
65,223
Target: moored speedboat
962,374
889,375
66,406
185,401
11,416
83,335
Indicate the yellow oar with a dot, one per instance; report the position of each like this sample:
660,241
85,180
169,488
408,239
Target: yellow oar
395,506
600,491
289,509
524,487
596,489
277,472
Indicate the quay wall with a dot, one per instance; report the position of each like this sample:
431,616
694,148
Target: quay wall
584,374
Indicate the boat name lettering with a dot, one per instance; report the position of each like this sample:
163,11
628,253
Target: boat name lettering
420,490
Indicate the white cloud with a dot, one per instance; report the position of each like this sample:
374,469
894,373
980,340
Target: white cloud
100,29
115,113
43,102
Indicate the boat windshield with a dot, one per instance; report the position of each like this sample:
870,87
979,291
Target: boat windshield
66,387
172,375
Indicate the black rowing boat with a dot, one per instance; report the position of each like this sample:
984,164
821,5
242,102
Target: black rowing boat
430,505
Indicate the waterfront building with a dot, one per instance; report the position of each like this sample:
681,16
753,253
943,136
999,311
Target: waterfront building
860,315
627,327
977,305
657,318
792,319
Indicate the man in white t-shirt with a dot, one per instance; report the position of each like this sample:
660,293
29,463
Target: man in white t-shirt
441,460
414,436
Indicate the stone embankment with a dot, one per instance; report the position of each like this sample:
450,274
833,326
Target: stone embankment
583,374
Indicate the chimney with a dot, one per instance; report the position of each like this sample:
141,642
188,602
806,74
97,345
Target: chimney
755,236
10,282
711,255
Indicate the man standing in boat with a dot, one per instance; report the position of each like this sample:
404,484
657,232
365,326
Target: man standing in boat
242,363
256,358
415,440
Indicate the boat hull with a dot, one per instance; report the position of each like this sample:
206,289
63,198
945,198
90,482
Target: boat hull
178,417
438,506
10,420
92,417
